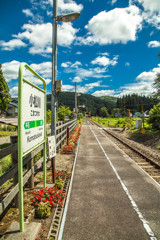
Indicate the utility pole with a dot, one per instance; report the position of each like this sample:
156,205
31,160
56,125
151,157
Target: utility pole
76,99
142,117
124,108
54,74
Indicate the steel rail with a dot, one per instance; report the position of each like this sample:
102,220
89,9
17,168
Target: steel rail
148,159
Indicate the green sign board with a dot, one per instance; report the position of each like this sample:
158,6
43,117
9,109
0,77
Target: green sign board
31,125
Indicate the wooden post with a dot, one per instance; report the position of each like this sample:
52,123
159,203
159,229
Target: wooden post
14,139
67,135
31,179
53,170
60,136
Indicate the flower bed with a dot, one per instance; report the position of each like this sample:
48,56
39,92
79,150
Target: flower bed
51,195
72,141
63,174
45,199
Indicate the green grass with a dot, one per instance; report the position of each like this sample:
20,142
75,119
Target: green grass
6,162
118,122
7,133
115,122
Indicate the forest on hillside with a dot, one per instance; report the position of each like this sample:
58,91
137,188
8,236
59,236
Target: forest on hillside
94,104
136,103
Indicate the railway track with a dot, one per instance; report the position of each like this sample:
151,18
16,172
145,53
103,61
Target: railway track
149,165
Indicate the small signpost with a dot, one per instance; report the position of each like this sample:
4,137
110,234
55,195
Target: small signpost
31,126
51,147
52,154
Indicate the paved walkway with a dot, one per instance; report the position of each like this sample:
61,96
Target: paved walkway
111,197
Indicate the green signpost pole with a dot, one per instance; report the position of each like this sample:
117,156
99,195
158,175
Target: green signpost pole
32,124
20,158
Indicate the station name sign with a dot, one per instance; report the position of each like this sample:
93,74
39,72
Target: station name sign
32,116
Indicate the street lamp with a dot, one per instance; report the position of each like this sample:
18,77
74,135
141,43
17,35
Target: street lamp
63,18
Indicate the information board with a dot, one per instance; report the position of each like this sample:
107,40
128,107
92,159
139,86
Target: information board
51,147
32,117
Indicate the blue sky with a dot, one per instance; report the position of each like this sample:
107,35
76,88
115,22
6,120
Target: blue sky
111,50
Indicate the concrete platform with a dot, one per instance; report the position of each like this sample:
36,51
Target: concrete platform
30,231
111,198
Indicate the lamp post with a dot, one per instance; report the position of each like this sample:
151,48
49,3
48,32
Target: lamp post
63,18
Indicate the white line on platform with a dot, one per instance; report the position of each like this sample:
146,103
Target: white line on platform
135,207
60,235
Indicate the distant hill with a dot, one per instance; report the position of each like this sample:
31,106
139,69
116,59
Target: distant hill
92,103
111,101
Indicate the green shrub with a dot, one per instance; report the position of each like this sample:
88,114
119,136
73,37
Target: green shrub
5,164
59,183
11,128
43,210
154,117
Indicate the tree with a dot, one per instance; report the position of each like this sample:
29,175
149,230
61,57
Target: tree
48,114
115,110
103,112
4,92
156,84
63,112
154,117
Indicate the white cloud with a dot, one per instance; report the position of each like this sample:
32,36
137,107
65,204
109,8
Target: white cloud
98,72
66,34
39,37
44,69
78,53
27,12
149,76
143,86
102,61
105,61
14,91
105,54
88,87
77,79
113,2
151,5
68,88
103,93
151,13
119,25
67,6
140,88
152,18
10,71
92,85
12,44
82,89
91,73
76,64
127,64
153,44
66,64
71,65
